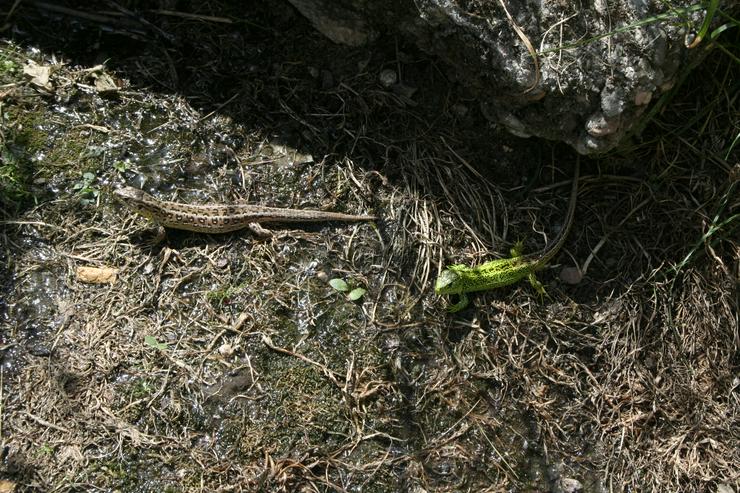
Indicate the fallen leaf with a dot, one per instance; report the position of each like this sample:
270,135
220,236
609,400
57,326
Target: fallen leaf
356,294
3,95
105,84
97,128
339,284
39,75
153,342
97,275
6,486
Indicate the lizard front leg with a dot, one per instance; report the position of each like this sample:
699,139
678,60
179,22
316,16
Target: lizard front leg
259,231
518,249
537,285
151,236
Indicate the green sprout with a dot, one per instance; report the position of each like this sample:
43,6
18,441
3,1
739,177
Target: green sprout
342,286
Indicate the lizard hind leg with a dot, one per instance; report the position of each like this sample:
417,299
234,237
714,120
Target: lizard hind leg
152,237
462,303
160,235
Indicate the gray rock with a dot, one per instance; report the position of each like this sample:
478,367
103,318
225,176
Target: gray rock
339,21
599,64
388,77
570,485
725,488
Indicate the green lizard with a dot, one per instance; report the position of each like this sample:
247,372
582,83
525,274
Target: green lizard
461,279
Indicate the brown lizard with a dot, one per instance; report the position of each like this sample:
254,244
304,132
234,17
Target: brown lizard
220,218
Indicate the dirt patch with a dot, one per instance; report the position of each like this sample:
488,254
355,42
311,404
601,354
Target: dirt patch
229,363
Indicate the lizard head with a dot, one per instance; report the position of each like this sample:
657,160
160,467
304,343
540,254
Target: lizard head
133,198
130,194
446,282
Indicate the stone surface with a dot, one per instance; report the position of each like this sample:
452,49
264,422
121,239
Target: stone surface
570,485
339,21
598,65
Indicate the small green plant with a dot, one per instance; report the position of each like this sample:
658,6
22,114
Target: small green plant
8,66
141,389
342,286
223,295
13,176
86,190
153,342
45,449
120,166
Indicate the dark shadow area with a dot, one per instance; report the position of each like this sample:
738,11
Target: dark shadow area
265,67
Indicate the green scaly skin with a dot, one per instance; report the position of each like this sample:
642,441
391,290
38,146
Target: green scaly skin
461,279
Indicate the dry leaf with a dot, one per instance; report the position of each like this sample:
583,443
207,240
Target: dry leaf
3,95
39,75
6,486
98,128
97,275
105,84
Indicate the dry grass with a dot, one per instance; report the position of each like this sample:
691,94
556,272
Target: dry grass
260,377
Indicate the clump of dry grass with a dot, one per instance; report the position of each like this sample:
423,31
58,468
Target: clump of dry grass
229,364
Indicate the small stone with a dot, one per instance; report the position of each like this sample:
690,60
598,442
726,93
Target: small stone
459,110
612,101
734,175
643,97
570,485
39,350
599,125
571,275
388,77
226,349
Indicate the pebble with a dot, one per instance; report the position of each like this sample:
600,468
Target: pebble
388,77
570,485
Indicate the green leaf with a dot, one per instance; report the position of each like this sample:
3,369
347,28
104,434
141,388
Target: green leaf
89,177
153,342
356,294
339,284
